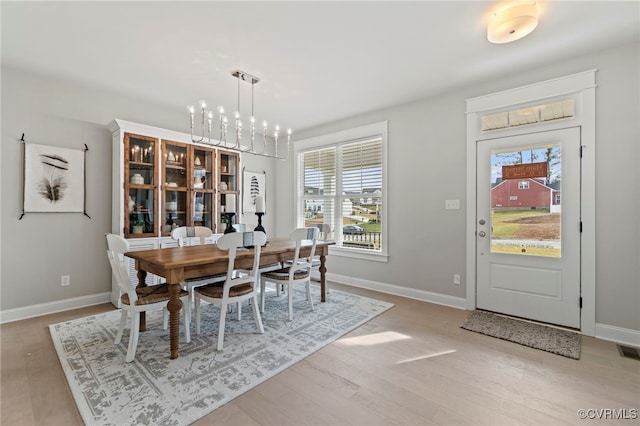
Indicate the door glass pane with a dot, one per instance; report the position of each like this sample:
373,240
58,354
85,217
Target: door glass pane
525,200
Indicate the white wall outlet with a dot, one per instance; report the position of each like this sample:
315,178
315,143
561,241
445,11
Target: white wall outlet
452,204
65,280
456,278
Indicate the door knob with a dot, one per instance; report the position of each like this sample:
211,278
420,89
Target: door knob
482,222
482,233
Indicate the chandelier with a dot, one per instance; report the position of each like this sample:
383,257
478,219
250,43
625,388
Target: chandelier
230,134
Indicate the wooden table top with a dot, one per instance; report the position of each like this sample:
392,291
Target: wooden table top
184,257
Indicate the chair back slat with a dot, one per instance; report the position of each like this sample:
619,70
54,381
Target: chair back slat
299,235
323,231
232,242
182,234
117,246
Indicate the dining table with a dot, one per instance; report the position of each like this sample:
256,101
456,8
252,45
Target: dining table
177,264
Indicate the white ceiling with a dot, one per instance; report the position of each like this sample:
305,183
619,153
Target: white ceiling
318,61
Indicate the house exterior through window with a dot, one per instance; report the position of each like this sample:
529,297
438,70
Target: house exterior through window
341,182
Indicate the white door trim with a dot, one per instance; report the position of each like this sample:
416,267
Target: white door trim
581,88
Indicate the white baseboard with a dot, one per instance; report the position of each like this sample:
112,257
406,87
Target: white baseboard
623,336
411,293
10,315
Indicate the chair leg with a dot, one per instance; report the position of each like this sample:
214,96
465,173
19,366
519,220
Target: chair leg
262,286
133,337
186,307
309,294
290,295
256,314
223,315
165,318
123,322
197,302
239,311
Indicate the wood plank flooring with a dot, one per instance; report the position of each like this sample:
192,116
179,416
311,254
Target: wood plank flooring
412,365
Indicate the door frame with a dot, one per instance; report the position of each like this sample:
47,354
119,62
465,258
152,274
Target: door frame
581,88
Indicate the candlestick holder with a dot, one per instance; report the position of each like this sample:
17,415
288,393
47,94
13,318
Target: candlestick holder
260,227
229,220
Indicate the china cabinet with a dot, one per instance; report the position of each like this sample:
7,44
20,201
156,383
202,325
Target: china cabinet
162,180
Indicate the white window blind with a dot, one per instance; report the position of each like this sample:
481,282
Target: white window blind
341,186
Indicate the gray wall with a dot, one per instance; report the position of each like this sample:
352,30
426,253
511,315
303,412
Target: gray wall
426,165
41,247
427,157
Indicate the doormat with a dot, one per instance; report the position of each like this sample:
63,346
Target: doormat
537,336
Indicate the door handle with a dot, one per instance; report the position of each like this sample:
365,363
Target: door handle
482,233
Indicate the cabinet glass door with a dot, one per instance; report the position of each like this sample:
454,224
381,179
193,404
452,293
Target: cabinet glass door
229,193
203,187
175,166
140,185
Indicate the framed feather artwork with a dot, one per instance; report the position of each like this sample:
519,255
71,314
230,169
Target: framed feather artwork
54,179
253,189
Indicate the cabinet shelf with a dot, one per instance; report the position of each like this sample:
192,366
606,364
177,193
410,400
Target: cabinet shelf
175,166
140,164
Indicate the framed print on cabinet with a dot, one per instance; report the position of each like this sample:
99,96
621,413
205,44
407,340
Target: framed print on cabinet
253,185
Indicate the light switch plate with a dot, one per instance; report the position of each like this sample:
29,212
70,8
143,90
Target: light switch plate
452,204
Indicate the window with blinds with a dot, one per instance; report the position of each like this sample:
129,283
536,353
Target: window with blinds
342,185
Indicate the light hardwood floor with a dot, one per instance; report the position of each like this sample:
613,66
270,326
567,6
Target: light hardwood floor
412,365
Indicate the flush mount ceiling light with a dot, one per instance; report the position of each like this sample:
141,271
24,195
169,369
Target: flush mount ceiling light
512,23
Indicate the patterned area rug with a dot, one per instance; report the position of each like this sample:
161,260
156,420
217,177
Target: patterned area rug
156,390
534,335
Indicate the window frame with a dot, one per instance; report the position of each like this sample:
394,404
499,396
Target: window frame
378,130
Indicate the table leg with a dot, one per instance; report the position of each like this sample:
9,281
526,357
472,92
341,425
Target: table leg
323,282
142,282
174,306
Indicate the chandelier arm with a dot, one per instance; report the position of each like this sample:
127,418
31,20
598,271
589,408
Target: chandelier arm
223,126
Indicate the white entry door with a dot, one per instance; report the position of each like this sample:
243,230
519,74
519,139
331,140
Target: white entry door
528,226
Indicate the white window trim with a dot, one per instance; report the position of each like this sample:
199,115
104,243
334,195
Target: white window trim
374,130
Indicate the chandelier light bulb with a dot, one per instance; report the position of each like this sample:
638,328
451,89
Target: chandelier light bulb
203,104
191,109
221,109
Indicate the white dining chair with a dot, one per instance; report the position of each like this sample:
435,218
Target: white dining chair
185,235
292,275
136,300
235,289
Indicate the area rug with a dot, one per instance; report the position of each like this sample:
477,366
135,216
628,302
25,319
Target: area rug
535,335
156,390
